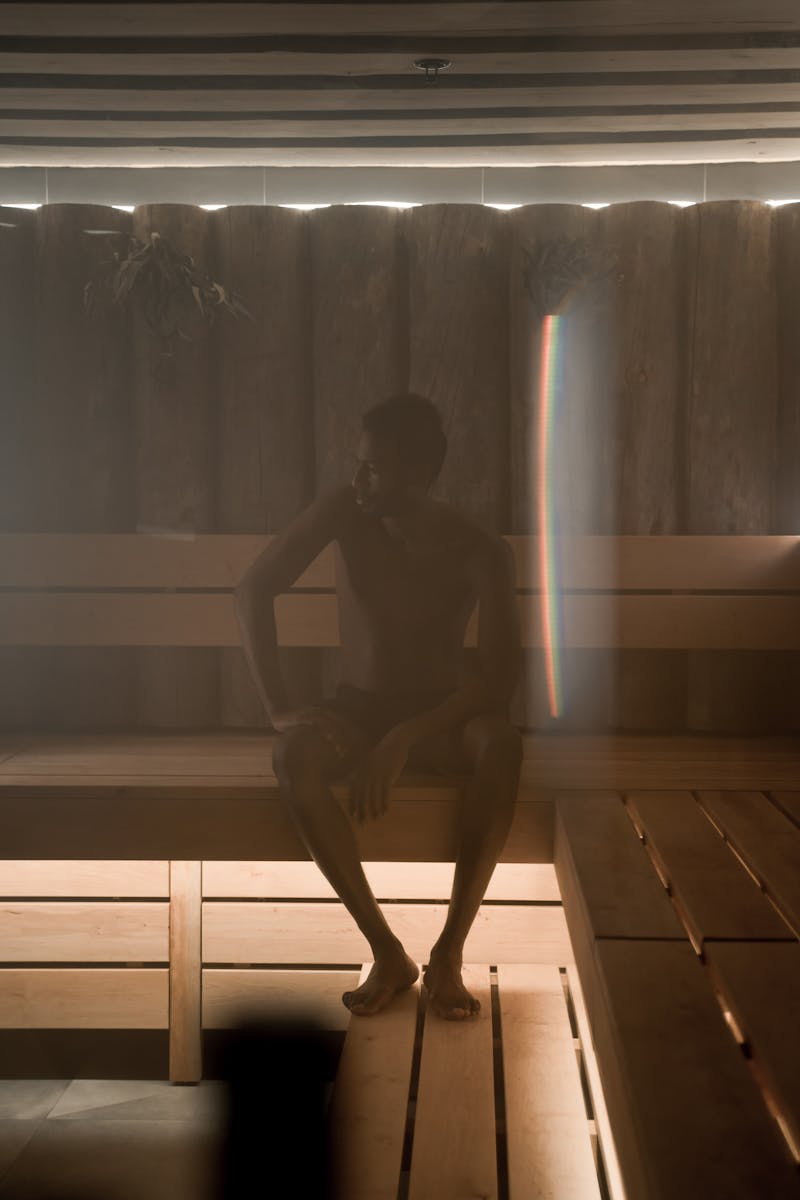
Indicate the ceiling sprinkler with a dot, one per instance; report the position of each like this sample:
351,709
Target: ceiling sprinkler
432,67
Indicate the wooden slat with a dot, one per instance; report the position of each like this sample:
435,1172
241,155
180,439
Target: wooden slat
241,931
361,96
98,998
688,1118
169,559
458,290
50,877
45,123
761,985
221,763
717,898
767,841
93,931
231,995
789,802
627,622
512,58
185,914
370,1099
536,153
604,870
547,1133
553,16
605,1135
388,880
628,562
266,462
231,820
454,1158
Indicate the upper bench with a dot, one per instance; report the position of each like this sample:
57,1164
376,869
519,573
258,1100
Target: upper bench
624,592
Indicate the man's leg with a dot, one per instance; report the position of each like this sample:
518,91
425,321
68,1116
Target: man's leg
304,763
493,746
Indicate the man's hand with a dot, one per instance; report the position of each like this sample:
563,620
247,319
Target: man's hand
369,793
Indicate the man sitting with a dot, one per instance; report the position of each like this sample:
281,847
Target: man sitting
408,571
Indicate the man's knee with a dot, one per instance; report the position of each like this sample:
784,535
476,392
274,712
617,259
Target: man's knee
299,752
491,739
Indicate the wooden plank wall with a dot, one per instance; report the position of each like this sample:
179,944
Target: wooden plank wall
676,412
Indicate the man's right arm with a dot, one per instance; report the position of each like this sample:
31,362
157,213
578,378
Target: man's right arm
274,572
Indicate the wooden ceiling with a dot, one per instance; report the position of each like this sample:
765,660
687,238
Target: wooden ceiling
329,84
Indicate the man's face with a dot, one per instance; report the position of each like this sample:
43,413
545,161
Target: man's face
382,485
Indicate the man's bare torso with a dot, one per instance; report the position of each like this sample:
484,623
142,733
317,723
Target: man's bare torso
403,610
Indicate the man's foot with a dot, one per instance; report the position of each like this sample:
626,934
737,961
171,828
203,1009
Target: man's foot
391,973
446,993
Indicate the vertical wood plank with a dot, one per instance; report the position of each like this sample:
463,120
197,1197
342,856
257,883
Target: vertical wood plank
731,430
540,282
547,1132
454,1151
266,425
786,236
562,264
359,351
21,668
645,242
370,1100
176,478
82,465
185,974
458,347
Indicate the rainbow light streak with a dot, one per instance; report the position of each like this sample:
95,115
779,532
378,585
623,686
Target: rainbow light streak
548,562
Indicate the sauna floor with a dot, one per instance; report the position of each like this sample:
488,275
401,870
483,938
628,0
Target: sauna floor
419,1103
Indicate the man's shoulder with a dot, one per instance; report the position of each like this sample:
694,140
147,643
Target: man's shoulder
476,538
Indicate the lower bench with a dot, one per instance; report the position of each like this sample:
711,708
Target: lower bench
683,911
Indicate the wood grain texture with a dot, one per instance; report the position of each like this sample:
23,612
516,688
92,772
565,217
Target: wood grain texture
537,236
717,898
758,563
767,841
458,351
552,16
230,996
80,425
367,1117
388,880
185,938
761,985
601,862
176,466
645,241
96,998
547,1133
88,931
265,452
454,1158
358,354
291,932
231,820
83,879
605,1135
731,430
705,1128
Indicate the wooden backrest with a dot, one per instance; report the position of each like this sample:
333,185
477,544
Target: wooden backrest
668,592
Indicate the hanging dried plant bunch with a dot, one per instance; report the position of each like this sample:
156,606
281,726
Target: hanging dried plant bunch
170,290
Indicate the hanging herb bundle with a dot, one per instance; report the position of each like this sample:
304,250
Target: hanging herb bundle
172,293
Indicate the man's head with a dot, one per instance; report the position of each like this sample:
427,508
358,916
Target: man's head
400,454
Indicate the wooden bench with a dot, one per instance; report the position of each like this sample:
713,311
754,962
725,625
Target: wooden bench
158,856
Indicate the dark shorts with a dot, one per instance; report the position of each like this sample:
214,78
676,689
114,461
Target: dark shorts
375,714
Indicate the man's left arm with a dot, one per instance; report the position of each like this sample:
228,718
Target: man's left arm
494,679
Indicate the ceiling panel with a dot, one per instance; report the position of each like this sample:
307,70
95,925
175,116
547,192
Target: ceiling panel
549,82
